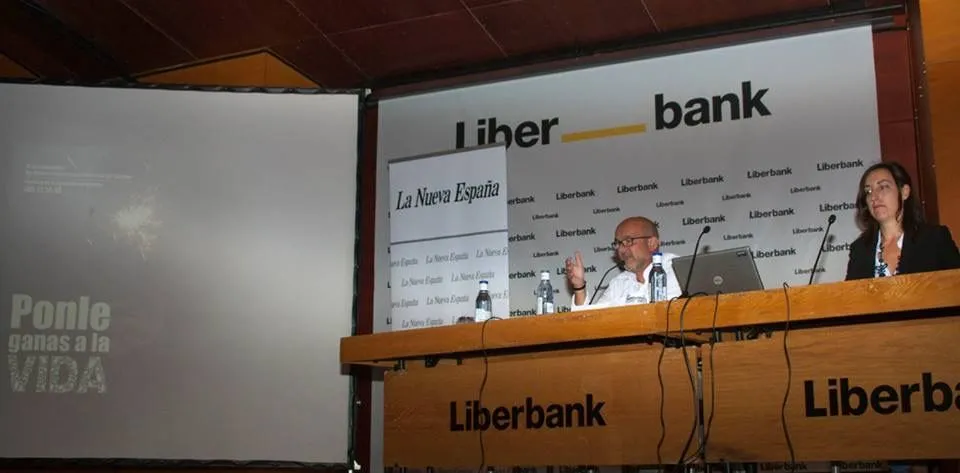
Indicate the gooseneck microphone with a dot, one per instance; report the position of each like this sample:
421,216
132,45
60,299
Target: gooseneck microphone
813,272
693,261
596,289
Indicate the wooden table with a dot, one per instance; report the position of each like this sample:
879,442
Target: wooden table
874,374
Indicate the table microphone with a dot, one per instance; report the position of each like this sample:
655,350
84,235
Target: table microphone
693,261
833,218
596,289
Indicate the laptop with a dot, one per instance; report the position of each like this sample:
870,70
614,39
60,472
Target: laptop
727,271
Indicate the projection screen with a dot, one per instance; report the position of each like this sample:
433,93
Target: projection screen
176,273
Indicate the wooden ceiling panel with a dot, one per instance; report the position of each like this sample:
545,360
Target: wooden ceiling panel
424,44
24,51
672,15
521,28
211,28
366,43
338,16
322,62
600,21
43,45
119,31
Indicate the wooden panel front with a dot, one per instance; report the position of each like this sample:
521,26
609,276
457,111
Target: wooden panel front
887,391
599,407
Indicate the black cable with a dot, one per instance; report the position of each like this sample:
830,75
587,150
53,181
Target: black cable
693,384
663,424
483,384
713,392
786,395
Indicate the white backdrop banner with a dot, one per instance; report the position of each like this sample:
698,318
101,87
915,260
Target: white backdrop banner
762,141
175,273
448,232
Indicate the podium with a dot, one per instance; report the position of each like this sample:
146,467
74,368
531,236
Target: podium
847,371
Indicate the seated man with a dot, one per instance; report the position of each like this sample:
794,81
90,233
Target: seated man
635,240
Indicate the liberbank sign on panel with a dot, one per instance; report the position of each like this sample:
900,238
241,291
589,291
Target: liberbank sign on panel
762,141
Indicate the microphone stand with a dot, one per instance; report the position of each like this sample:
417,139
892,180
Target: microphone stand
833,218
756,332
594,296
693,261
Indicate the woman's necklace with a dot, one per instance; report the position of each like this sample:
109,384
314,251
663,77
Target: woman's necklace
882,268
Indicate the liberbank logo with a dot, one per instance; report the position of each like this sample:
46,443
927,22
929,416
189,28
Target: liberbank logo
473,416
668,113
842,397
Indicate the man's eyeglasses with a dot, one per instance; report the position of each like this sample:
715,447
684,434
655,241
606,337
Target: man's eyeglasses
629,241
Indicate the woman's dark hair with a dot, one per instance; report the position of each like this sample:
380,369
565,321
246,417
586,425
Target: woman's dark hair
912,215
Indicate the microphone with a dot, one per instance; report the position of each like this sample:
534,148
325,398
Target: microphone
833,218
594,296
693,261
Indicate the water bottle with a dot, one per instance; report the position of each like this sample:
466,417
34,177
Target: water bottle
484,305
658,279
544,294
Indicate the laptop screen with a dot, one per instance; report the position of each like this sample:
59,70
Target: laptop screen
727,271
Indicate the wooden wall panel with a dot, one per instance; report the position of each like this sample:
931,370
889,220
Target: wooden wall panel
12,70
941,43
941,46
256,70
894,93
277,73
898,142
895,99
943,80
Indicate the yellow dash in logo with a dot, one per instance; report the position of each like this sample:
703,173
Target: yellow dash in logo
603,132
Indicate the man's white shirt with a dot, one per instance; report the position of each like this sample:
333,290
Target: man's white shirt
624,289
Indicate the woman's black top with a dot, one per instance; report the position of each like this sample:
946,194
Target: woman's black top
928,248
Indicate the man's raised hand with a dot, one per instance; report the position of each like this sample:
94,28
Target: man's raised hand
574,267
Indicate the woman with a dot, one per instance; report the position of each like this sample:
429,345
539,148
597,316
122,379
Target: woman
895,240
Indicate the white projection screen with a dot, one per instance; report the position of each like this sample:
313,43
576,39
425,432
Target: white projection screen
176,271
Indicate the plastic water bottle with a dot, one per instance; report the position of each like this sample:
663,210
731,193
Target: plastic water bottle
544,294
658,279
484,306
